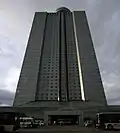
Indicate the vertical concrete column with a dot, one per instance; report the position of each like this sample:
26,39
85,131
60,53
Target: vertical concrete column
88,65
63,58
81,119
27,85
46,119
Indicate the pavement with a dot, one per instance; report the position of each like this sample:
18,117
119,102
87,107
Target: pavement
65,129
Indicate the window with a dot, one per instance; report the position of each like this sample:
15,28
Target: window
55,98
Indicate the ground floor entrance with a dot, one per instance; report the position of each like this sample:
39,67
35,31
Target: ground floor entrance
63,119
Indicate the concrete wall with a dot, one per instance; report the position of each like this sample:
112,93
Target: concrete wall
26,89
48,80
92,83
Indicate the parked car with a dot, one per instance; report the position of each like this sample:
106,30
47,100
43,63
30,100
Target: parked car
26,122
88,123
64,121
39,122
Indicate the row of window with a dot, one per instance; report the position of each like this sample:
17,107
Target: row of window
55,67
46,94
55,85
48,98
56,94
71,71
56,98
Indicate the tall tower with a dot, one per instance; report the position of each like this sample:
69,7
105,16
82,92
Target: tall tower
60,64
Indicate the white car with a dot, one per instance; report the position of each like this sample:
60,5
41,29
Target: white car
112,125
26,122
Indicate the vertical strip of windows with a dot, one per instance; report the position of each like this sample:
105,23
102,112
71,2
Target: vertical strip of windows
79,62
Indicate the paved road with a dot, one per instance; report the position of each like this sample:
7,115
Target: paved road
69,131
64,129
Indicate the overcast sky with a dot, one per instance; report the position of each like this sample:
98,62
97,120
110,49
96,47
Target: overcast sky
16,18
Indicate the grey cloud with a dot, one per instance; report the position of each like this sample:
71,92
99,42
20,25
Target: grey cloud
115,100
6,97
111,84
